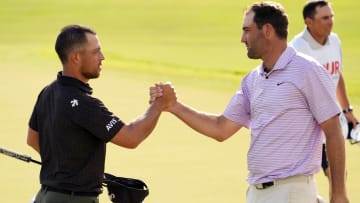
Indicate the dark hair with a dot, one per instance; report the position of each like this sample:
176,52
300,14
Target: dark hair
272,13
309,10
70,38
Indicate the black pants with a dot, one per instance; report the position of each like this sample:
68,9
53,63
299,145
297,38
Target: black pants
46,196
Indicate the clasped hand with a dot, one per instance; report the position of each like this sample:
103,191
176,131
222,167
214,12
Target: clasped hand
164,94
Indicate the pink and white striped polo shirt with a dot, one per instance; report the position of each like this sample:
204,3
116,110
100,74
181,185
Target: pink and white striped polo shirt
283,109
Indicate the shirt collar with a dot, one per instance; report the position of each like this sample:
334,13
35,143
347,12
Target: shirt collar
281,63
312,42
70,81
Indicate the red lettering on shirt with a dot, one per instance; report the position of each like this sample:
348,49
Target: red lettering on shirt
333,67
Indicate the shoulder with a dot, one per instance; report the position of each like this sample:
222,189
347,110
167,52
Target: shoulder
251,75
73,99
307,72
83,101
303,65
299,43
334,38
334,35
48,91
305,60
249,80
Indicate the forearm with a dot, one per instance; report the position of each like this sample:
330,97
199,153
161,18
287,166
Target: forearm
344,101
336,156
211,125
341,94
335,149
145,124
132,134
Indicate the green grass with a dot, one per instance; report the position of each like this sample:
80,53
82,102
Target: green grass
194,44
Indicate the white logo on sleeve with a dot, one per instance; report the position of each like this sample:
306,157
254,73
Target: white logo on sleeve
111,124
74,102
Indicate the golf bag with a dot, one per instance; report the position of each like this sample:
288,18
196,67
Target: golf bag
125,190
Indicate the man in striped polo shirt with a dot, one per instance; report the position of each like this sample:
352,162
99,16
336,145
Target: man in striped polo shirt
286,102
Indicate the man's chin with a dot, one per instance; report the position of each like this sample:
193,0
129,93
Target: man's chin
251,56
97,75
92,76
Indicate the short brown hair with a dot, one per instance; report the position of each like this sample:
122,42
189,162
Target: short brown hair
272,13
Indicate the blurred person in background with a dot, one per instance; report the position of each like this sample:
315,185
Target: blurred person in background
318,41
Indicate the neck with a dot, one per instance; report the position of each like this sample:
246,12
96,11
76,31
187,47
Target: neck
266,69
71,72
273,55
319,38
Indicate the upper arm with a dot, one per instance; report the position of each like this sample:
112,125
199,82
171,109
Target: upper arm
92,115
332,127
226,128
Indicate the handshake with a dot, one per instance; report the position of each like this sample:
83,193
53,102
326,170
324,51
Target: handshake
163,95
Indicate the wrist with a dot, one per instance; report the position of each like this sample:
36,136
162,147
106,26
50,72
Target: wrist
174,108
157,106
349,109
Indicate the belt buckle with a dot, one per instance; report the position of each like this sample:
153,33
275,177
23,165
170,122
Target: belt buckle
262,186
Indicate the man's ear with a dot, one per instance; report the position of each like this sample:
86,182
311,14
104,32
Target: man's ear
74,57
308,21
268,30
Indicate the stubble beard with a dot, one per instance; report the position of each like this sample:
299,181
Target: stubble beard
91,75
252,55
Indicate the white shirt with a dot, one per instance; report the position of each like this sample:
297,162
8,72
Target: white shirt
329,55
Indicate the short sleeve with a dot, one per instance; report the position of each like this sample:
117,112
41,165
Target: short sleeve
320,91
91,114
238,108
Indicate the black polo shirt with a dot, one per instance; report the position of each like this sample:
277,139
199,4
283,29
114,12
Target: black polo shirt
73,131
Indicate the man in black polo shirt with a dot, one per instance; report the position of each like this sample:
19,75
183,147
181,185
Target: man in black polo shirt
70,128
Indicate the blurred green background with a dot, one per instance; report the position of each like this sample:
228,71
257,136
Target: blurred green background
194,44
